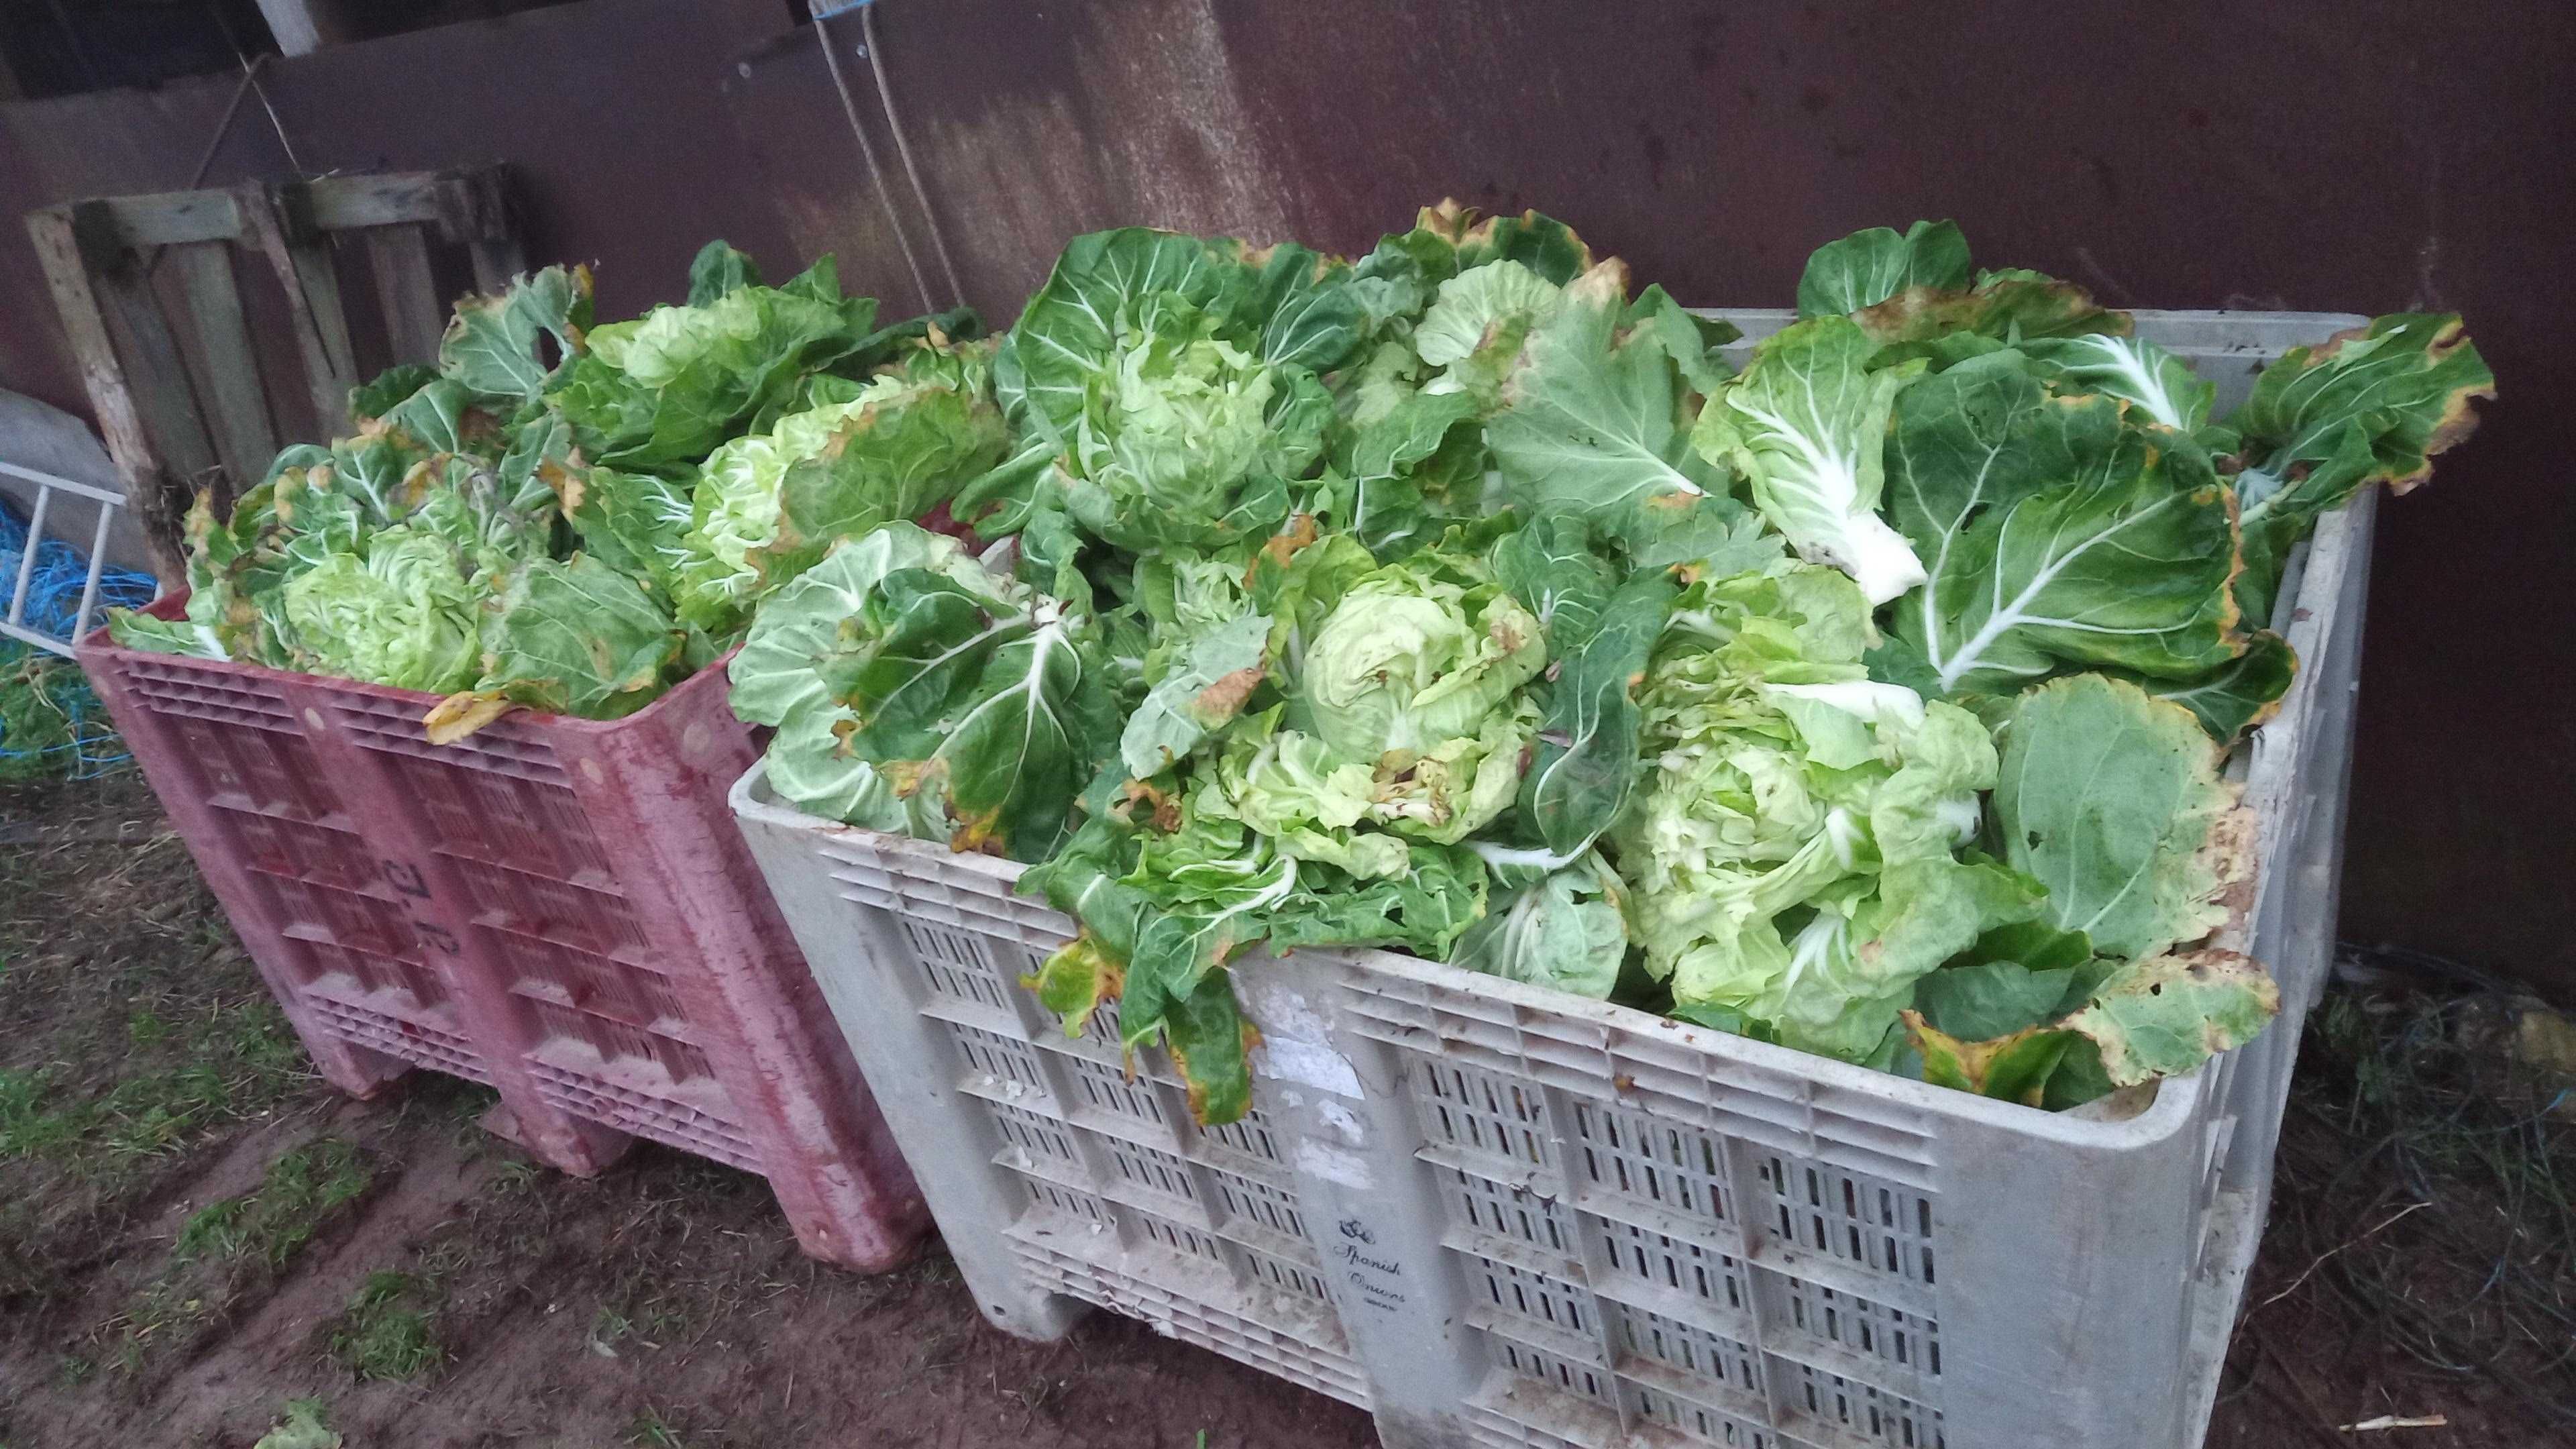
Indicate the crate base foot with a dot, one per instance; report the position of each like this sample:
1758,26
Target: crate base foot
872,1250
576,1148
1029,1314
871,1226
359,1071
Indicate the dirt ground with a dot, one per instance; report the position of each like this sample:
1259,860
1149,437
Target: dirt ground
199,1241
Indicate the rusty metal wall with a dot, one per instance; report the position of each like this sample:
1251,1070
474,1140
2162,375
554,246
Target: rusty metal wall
2353,155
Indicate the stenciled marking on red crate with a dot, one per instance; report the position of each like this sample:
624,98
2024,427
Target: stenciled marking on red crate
412,885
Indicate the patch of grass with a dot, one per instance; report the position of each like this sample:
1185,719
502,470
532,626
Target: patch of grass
649,1429
226,1247
385,1334
239,1062
515,1175
273,1222
644,1306
27,1129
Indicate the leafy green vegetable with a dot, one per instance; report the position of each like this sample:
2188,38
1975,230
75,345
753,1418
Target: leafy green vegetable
578,637
514,527
1806,424
1566,930
1415,656
963,690
2056,536
665,389
2157,1018
768,505
1585,769
2165,1016
1204,691
1073,332
2009,307
2369,406
2237,695
492,345
1792,857
718,269
2159,384
2113,801
401,613
1411,602
1476,325
1594,424
1868,267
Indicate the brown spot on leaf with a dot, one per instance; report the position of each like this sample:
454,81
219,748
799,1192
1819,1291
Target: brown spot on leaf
570,486
1224,699
978,834
1282,546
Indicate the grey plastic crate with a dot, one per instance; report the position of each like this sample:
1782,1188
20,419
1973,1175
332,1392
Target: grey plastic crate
1498,1215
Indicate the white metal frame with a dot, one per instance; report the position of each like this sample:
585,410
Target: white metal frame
13,624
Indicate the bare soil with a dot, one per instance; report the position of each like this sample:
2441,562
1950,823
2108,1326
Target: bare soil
194,1230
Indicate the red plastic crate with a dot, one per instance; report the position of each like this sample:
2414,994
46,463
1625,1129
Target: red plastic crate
561,909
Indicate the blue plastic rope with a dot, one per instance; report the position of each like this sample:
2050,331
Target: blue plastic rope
69,735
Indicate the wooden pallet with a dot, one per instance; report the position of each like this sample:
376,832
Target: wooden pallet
179,420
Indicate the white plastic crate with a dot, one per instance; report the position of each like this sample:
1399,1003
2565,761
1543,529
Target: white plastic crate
1499,1215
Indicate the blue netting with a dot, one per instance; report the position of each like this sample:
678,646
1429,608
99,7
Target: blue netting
54,591
51,724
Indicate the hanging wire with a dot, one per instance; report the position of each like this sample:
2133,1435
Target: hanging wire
214,143
250,77
868,149
903,148
224,127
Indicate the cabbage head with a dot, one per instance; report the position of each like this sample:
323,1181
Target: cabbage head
735,507
1188,438
1792,859
400,611
1415,658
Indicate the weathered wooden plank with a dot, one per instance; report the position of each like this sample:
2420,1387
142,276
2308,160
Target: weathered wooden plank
156,370
407,290
475,205
157,502
167,218
480,217
229,383
461,202
303,266
345,203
